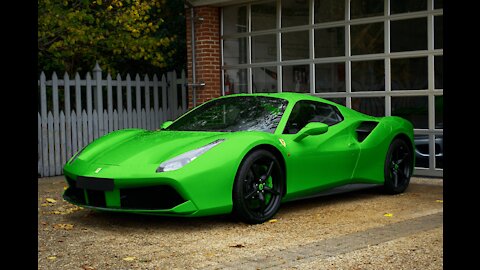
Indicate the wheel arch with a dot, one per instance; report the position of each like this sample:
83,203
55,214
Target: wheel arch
272,149
405,137
393,186
410,144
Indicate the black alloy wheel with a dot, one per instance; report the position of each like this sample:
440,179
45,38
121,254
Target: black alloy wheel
258,187
398,166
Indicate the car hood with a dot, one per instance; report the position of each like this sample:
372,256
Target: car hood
145,147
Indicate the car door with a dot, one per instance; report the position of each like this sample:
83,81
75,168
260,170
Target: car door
320,161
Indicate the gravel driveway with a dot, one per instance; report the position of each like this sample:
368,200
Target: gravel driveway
357,230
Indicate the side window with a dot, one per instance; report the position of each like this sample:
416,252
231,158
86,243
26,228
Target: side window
305,112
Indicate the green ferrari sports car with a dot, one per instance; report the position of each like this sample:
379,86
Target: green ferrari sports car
243,154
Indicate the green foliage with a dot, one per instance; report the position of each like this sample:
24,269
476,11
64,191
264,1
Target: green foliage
124,36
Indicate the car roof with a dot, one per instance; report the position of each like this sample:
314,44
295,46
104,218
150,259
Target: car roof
291,97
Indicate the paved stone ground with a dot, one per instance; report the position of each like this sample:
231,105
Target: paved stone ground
332,247
357,230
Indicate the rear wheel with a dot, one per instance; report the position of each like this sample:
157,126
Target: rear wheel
398,167
258,187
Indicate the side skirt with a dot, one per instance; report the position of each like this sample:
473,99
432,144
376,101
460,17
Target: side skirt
338,190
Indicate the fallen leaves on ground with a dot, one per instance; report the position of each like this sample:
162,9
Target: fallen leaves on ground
50,200
63,226
52,258
388,215
87,267
129,259
66,211
272,220
439,201
238,246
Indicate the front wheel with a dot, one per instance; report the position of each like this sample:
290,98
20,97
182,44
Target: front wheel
398,167
258,187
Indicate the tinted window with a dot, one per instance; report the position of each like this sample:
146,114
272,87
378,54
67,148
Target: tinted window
408,35
367,38
305,112
264,16
241,113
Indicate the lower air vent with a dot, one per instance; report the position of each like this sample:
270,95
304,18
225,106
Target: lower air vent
153,197
74,194
96,198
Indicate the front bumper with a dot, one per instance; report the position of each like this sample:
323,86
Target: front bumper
185,192
150,199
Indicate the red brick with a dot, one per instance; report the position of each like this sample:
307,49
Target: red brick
208,56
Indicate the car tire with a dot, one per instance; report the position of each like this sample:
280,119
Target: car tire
398,166
258,187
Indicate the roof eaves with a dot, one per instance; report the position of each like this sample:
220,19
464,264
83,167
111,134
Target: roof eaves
218,3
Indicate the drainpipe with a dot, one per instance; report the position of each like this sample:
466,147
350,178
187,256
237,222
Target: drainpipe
194,83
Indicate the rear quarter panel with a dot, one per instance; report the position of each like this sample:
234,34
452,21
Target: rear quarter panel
373,150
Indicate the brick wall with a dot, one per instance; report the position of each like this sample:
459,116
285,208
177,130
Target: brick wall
208,59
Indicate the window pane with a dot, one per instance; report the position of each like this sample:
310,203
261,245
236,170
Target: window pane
340,101
439,151
330,42
439,112
365,8
330,77
264,16
410,73
402,6
264,79
305,112
243,113
234,20
367,38
329,10
438,71
295,45
264,48
408,35
235,81
374,106
414,109
422,151
438,32
294,12
438,4
296,78
235,51
368,75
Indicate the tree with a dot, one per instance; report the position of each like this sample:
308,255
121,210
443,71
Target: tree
124,36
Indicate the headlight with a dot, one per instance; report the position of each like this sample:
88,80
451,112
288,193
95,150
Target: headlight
185,158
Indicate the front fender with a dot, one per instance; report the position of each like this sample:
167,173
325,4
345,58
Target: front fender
210,178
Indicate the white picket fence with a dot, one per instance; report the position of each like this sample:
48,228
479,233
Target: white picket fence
64,130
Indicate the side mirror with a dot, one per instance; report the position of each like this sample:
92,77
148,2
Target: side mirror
166,124
313,128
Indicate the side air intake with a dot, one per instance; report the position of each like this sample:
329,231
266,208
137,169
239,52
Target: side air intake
364,129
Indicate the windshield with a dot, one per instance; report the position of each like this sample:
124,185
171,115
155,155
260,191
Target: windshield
240,113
